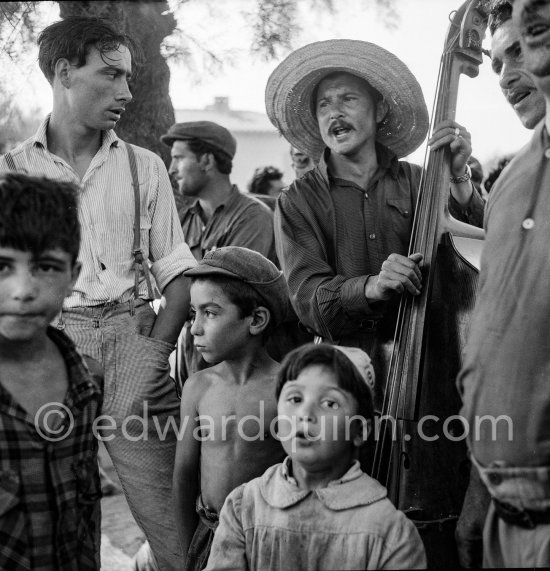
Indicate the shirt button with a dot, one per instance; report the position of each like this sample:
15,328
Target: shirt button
528,223
372,236
366,195
547,153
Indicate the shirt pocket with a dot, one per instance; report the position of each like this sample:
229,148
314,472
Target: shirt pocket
401,216
13,523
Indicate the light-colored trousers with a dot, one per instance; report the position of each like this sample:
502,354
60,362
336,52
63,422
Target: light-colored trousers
140,401
506,544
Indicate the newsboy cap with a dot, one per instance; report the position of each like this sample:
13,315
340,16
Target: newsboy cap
207,131
251,268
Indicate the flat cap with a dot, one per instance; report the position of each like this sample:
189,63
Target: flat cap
251,268
207,131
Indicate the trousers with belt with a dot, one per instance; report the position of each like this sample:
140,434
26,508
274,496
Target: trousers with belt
201,544
142,410
517,526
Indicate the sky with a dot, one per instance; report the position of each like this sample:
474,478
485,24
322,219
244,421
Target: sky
417,39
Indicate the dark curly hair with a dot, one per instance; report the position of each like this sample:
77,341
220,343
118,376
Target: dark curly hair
38,214
72,39
501,11
261,179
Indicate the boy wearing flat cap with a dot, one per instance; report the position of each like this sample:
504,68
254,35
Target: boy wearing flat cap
217,214
342,231
238,297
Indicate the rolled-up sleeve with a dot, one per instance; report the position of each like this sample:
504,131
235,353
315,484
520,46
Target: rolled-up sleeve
168,251
326,302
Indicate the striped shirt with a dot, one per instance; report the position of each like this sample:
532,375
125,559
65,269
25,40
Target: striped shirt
107,217
49,491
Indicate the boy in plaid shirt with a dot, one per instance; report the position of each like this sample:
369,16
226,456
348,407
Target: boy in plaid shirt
49,397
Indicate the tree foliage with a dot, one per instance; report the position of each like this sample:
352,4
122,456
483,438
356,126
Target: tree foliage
273,24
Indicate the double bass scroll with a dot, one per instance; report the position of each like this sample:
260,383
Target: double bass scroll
420,451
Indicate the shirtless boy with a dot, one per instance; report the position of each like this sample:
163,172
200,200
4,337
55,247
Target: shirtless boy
237,297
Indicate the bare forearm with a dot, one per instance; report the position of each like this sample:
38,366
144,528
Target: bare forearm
185,497
462,192
173,311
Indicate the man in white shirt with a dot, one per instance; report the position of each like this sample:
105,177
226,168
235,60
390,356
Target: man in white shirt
108,316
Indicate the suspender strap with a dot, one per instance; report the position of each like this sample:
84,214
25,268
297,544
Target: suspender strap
139,262
10,162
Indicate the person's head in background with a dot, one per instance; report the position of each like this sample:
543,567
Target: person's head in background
508,62
301,163
477,174
202,157
267,181
494,173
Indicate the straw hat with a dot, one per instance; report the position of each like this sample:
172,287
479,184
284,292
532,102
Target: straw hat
291,85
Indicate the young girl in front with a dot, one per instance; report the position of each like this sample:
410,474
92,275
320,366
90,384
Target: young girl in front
317,509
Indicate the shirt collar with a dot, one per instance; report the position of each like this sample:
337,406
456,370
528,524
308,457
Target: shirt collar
387,161
108,139
280,490
40,135
82,385
229,199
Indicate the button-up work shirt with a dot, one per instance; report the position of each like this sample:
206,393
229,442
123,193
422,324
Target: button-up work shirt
506,372
49,490
106,215
331,235
270,523
240,220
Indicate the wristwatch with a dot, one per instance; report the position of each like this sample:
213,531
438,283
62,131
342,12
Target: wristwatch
462,178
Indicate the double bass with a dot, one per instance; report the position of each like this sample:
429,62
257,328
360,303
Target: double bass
420,453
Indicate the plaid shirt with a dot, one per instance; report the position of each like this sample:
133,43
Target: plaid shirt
49,491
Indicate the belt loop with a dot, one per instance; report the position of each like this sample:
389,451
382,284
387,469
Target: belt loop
132,304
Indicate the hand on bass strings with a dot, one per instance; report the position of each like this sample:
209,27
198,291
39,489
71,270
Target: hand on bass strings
459,141
398,274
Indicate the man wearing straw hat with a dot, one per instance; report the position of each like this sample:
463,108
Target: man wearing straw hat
343,229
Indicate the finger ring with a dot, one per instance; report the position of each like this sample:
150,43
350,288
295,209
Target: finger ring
457,132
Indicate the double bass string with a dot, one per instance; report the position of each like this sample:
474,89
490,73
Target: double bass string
426,214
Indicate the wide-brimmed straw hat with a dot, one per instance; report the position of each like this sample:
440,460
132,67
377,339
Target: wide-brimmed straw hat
289,91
